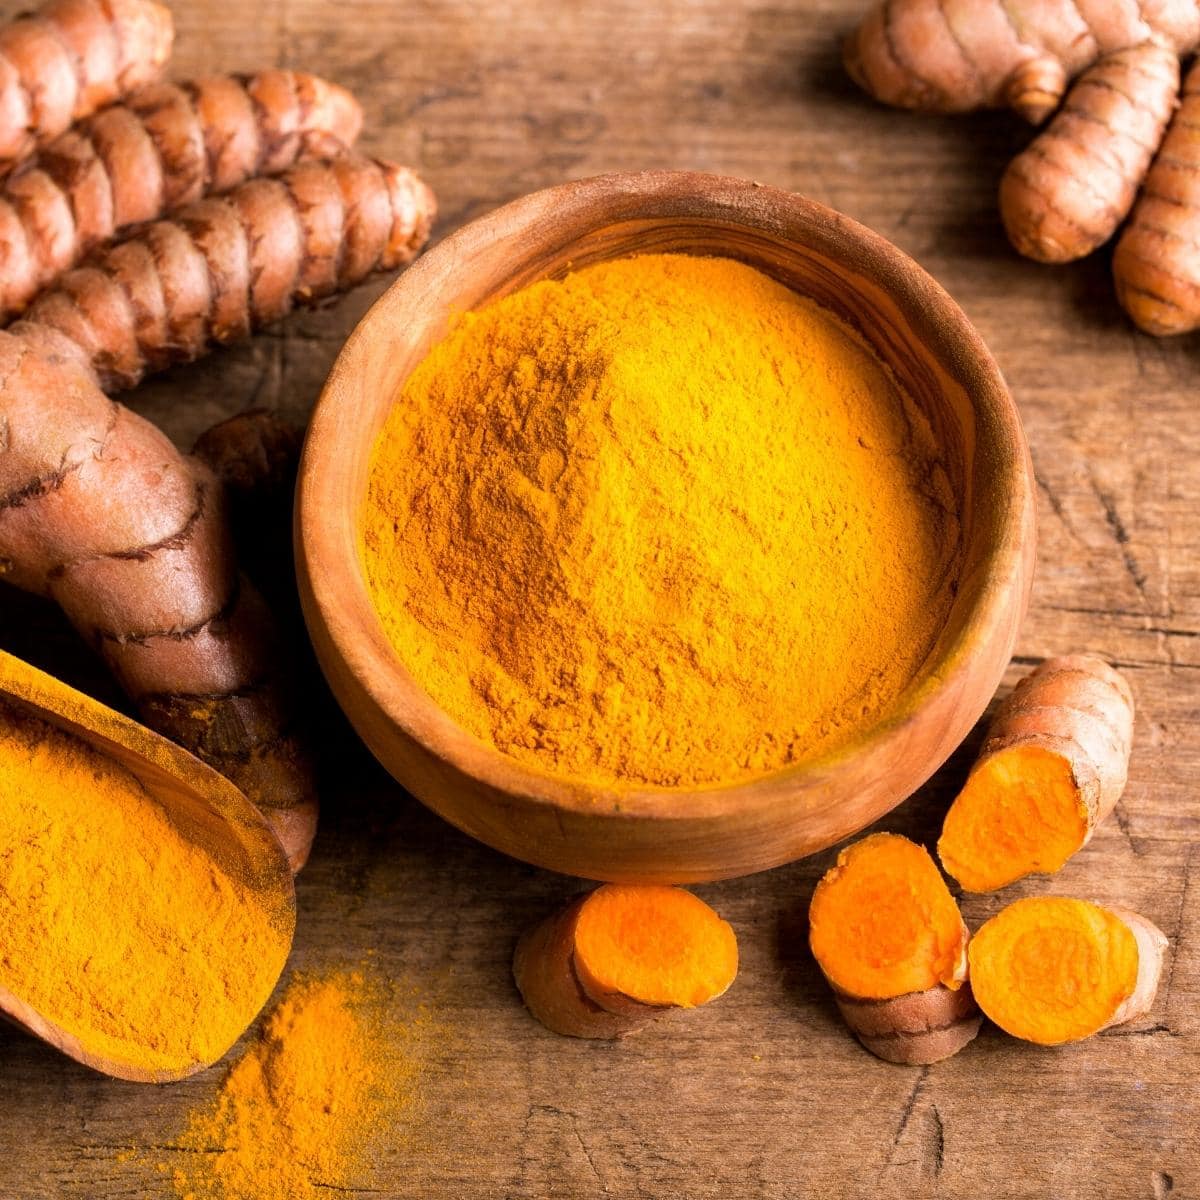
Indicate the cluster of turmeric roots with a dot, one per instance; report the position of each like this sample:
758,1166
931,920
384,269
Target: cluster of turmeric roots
141,223
1124,143
883,926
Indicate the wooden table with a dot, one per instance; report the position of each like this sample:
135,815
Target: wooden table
764,1094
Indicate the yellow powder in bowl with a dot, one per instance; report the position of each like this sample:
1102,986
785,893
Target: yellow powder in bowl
661,522
115,928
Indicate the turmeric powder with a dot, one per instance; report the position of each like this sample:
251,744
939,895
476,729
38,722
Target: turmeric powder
116,929
661,522
298,1115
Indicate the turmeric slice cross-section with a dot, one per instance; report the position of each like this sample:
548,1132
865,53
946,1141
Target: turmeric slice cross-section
1052,969
1053,766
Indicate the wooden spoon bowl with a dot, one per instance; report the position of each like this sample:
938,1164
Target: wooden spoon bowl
204,807
650,834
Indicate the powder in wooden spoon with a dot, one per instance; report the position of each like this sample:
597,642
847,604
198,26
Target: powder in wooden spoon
114,927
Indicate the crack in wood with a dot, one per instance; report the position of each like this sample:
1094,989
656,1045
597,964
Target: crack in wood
939,1141
1121,817
1120,533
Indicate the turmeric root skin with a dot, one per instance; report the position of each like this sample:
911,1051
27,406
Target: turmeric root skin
1053,766
168,145
70,58
1155,267
663,943
915,1029
890,940
1152,946
227,265
152,586
943,56
1065,195
545,974
253,453
1051,969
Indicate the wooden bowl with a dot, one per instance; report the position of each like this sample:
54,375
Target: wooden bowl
651,834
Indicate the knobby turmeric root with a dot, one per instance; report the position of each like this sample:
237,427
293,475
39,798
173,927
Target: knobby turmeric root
226,265
253,453
622,955
1050,969
99,512
946,56
1068,192
890,940
166,145
72,57
1156,270
1065,195
1053,766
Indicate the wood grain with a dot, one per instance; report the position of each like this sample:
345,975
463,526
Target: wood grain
764,1093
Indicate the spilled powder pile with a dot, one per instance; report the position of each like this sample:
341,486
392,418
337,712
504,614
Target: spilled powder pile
115,928
661,522
300,1115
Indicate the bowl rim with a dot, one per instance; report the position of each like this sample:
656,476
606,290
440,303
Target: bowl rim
335,596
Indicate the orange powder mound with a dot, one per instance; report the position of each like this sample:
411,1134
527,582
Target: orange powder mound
882,922
662,522
300,1115
126,934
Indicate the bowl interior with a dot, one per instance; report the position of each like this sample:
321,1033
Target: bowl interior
914,327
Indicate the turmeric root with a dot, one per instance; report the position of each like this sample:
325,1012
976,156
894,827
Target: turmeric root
1068,192
892,944
949,56
72,57
1050,969
622,955
1052,767
254,453
1065,195
1155,267
226,265
167,145
99,512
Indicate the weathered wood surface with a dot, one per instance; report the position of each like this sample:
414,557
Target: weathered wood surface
764,1094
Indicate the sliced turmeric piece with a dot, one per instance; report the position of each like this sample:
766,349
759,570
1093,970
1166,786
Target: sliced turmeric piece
1051,969
1053,766
890,940
617,957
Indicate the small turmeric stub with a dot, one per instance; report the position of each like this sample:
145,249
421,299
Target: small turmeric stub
1051,969
662,522
882,922
656,945
117,929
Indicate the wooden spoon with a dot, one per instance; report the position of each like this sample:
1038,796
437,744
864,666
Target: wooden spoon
204,807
